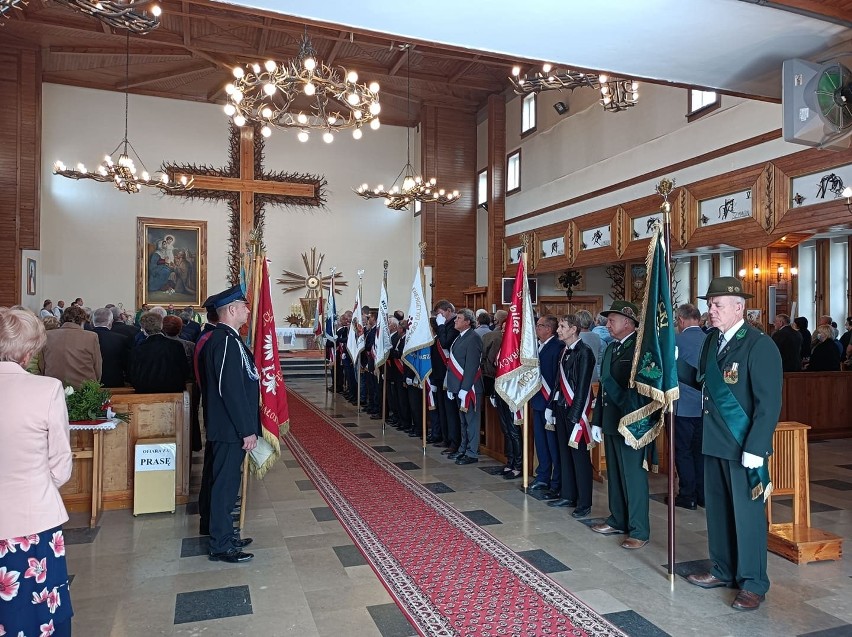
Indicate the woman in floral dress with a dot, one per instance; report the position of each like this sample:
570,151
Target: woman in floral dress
35,455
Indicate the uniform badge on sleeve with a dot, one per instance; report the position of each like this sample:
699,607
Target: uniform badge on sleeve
731,373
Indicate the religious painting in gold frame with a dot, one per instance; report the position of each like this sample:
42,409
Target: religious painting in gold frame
171,262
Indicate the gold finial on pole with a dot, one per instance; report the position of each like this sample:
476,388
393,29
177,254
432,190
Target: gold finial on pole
664,189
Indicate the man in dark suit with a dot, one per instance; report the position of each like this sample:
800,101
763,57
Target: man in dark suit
627,478
740,372
120,327
114,349
232,416
688,424
464,385
158,364
445,334
547,474
789,343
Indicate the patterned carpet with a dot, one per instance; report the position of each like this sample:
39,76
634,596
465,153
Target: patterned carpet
446,574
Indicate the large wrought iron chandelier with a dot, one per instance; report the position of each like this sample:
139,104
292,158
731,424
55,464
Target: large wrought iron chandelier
122,173
616,94
6,7
138,16
413,187
303,94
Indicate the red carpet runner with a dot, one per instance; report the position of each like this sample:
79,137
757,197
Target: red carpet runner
446,574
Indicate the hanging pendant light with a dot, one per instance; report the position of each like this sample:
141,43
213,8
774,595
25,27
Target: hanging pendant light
122,172
408,186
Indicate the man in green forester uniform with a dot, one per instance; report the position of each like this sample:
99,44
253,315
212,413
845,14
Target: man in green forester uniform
739,372
627,478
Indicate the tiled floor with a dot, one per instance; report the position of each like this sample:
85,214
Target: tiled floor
149,575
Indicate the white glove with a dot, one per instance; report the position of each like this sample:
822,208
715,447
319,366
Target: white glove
440,320
597,433
493,400
433,389
751,461
462,395
450,395
409,381
548,415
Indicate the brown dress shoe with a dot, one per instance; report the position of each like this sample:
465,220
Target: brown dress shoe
605,529
746,600
707,580
633,543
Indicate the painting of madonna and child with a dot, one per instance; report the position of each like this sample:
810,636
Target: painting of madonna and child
171,262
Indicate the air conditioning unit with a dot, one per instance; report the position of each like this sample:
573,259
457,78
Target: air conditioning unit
817,104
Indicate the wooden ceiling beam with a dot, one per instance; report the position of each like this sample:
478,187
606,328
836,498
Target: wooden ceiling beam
335,49
463,68
108,51
187,25
263,39
153,78
400,60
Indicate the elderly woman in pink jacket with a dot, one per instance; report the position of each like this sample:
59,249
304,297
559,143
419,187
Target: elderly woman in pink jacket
35,456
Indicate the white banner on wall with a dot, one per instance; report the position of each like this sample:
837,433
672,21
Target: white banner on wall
643,227
820,186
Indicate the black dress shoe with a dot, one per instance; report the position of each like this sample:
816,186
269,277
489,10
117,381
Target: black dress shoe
454,455
440,444
466,460
550,495
241,543
538,486
514,474
562,502
581,513
234,556
375,417
449,450
682,502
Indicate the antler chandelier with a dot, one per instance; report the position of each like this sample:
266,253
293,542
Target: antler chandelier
413,187
616,94
303,94
6,7
138,16
122,173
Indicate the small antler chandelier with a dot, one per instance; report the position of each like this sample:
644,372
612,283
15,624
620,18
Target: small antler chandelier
122,173
615,94
303,94
413,187
138,16
6,7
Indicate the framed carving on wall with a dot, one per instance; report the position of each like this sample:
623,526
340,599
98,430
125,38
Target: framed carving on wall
171,262
31,277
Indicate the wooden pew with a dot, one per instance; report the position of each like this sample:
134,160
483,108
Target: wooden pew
152,416
822,400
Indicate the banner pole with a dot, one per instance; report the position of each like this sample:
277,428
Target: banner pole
423,387
384,396
524,429
664,188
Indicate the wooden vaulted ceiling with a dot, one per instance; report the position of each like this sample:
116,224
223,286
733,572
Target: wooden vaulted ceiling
191,54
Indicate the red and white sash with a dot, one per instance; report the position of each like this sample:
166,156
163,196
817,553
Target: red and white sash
545,389
430,395
458,372
582,430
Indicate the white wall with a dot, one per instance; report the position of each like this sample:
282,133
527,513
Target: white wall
589,149
88,229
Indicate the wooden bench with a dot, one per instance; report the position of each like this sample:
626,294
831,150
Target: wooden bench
151,416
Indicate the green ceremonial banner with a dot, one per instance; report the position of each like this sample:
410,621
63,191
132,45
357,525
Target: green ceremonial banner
654,371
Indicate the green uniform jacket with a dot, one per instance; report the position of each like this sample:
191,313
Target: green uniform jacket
609,407
751,366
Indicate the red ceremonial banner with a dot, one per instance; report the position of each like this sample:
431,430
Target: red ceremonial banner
274,412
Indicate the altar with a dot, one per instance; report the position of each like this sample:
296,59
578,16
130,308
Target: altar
295,338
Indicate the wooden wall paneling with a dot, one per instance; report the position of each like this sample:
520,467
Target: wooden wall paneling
596,256
715,265
759,288
823,273
686,222
496,195
20,163
781,257
550,264
743,233
572,242
448,152
849,276
821,400
638,248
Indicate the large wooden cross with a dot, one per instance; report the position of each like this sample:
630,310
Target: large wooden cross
247,188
